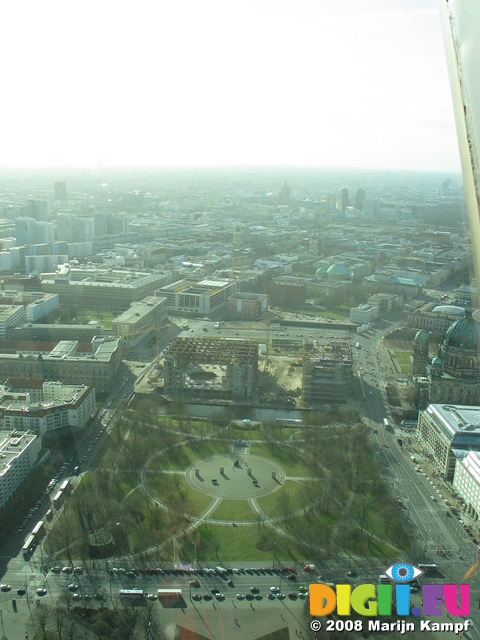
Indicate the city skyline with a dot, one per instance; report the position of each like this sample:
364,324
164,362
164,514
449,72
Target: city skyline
237,84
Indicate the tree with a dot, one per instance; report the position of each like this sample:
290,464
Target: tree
42,616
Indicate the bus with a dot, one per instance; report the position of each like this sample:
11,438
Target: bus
427,567
65,487
29,547
131,594
38,530
169,594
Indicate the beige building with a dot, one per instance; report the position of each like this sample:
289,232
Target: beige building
466,482
139,320
93,364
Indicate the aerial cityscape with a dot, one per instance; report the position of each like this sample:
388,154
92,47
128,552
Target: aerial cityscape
239,320
222,385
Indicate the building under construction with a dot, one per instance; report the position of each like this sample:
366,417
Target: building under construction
327,374
223,367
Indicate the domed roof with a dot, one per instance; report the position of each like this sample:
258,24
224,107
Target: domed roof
320,271
463,334
338,269
421,337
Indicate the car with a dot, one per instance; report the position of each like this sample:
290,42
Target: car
249,596
302,595
196,596
214,591
254,590
230,583
55,569
151,596
220,596
292,595
41,591
78,569
207,596
21,592
240,596
67,569
274,590
352,574
258,596
271,596
194,583
433,498
235,570
72,586
291,577
77,596
5,587
281,596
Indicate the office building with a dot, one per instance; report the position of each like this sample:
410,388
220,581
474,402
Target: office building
18,455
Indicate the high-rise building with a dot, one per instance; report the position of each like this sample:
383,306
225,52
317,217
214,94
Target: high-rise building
37,209
24,231
343,200
60,191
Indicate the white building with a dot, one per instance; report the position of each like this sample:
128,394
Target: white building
447,432
10,316
202,298
18,454
363,314
466,482
41,307
61,406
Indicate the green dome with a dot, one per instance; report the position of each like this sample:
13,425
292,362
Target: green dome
338,269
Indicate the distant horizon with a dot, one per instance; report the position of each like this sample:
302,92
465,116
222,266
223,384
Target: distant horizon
223,167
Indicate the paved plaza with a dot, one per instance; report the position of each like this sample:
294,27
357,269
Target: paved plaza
235,476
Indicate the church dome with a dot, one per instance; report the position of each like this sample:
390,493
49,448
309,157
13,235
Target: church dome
338,269
463,334
421,337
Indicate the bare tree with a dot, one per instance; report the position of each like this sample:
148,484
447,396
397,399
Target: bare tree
42,616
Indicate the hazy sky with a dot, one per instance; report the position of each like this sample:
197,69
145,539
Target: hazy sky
360,83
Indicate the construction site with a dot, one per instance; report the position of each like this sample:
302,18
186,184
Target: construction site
218,368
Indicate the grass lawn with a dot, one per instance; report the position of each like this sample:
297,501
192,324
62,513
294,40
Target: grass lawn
230,544
287,457
232,510
269,504
162,484
403,359
181,457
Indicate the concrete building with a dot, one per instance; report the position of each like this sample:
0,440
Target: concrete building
247,306
10,317
41,307
447,433
204,298
328,375
18,455
111,289
60,190
225,368
140,320
466,482
363,314
93,364
62,407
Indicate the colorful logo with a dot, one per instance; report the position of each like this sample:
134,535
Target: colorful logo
392,595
